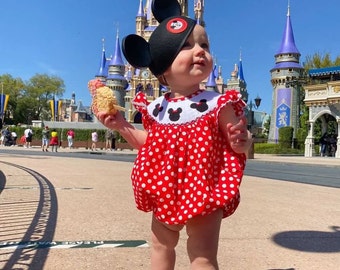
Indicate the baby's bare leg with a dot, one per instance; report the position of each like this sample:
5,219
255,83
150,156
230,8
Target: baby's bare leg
164,240
202,244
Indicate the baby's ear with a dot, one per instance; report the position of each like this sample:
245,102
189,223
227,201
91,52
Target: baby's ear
163,9
136,51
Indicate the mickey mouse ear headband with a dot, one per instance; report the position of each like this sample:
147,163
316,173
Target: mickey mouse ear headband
165,42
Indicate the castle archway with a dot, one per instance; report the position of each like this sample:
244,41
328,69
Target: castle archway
325,133
322,97
137,118
324,120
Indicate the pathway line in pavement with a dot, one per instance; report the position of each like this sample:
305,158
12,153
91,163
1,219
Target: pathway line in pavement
72,244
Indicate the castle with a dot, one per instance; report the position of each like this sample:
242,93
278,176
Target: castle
126,81
286,75
285,109
321,95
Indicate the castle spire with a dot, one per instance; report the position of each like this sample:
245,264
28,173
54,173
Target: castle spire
199,11
211,82
149,15
117,59
140,9
102,71
116,70
240,69
288,42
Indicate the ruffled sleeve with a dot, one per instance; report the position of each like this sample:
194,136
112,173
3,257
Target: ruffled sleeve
235,98
141,103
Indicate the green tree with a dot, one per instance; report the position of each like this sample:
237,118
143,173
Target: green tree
320,61
266,126
12,87
34,101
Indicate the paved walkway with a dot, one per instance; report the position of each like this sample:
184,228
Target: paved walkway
83,208
331,161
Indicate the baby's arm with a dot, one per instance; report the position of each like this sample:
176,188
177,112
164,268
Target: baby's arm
135,137
235,130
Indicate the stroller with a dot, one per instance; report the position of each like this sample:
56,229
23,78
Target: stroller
8,140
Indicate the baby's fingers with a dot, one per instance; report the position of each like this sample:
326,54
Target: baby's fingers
240,127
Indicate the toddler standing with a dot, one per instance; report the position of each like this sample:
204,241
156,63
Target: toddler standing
192,152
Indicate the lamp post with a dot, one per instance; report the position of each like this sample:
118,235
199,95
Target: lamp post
250,112
250,119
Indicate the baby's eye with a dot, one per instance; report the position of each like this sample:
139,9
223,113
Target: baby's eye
186,44
205,46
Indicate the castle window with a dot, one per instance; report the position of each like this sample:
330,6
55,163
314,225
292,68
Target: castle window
139,88
149,90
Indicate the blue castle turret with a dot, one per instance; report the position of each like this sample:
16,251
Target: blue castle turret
237,80
285,110
102,71
242,82
211,82
111,72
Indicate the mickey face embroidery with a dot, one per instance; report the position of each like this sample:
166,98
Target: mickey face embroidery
158,108
200,106
174,115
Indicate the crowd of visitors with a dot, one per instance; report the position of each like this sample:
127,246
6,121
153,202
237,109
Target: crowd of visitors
328,145
8,138
52,138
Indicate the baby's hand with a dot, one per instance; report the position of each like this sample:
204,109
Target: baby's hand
239,137
111,121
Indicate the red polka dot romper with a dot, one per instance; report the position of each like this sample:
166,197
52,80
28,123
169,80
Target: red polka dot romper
186,167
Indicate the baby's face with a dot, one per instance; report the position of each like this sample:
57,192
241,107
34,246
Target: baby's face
194,61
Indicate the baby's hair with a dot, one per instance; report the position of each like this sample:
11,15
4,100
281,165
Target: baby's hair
162,80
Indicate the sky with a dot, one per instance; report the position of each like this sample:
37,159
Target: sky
64,37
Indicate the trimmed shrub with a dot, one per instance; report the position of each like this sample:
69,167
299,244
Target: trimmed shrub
286,137
301,135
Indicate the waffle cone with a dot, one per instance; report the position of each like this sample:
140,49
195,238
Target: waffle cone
105,101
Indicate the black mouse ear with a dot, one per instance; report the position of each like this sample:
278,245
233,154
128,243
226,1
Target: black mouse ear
136,51
163,9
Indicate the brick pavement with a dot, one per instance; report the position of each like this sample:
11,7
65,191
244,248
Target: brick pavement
279,225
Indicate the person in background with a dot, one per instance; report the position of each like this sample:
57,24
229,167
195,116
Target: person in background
70,137
28,137
54,140
94,138
323,144
2,138
14,138
109,136
45,139
7,137
113,142
23,140
332,144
